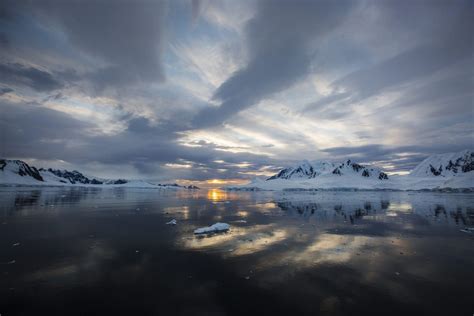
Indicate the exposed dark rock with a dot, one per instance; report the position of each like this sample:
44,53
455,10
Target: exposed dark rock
23,169
74,176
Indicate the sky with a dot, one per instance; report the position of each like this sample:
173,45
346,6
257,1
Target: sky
213,92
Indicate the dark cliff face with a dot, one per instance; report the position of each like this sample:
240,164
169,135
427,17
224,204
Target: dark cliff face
23,169
364,171
461,164
74,176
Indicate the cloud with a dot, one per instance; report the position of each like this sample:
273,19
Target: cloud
5,90
309,79
37,79
30,131
438,46
124,41
280,39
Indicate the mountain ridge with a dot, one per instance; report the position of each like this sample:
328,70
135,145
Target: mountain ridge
308,170
437,172
18,172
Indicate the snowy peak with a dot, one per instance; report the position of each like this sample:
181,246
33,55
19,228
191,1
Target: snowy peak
19,168
353,168
307,170
17,172
72,177
445,165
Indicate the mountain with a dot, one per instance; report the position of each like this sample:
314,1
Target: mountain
304,170
445,172
307,170
445,165
20,168
353,168
73,177
17,172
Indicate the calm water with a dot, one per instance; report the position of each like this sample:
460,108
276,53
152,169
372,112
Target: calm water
97,252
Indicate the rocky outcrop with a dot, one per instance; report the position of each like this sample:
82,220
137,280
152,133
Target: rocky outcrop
21,168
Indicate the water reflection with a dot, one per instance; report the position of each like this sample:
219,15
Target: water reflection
216,195
304,248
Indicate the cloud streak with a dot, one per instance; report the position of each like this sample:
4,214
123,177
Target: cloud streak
281,39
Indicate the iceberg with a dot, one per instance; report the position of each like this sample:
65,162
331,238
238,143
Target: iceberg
216,228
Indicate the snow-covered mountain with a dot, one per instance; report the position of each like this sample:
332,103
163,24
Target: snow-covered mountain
17,172
445,165
71,177
307,170
11,169
438,172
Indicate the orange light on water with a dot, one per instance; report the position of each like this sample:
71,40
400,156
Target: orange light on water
216,195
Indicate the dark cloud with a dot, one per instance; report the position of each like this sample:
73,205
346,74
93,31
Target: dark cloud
37,132
32,131
37,79
439,46
281,39
125,39
127,36
4,90
197,6
440,92
71,51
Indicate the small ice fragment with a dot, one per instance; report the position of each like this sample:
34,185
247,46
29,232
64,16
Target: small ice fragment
466,231
397,273
172,222
241,221
16,244
137,251
247,278
217,227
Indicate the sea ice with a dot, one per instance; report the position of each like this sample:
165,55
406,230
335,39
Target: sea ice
217,227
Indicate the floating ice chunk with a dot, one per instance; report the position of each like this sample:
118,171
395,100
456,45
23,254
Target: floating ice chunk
217,227
16,244
172,222
466,231
241,221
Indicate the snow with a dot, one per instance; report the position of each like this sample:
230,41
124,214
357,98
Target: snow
215,228
349,182
349,176
11,175
441,162
452,171
316,169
